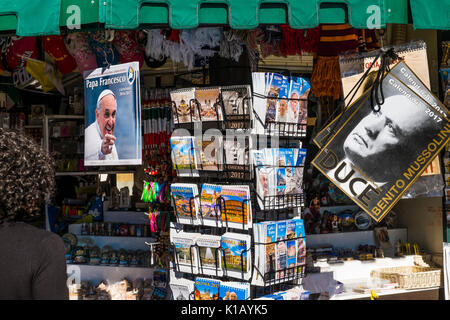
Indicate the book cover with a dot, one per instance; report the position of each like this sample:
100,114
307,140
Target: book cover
184,109
282,103
270,256
206,289
280,250
274,85
184,202
295,88
210,208
303,103
237,256
209,104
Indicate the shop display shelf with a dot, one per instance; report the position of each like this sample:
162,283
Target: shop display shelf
352,239
97,273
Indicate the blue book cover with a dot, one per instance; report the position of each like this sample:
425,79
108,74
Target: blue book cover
270,257
274,88
294,93
303,104
281,180
301,157
206,289
282,104
281,249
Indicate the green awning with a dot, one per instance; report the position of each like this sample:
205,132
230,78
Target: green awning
247,14
431,14
30,18
46,17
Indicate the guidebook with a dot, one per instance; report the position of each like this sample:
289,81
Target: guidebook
184,109
274,83
186,256
186,203
236,262
210,259
210,206
280,251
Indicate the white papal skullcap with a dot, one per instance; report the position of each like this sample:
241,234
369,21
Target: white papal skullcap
104,93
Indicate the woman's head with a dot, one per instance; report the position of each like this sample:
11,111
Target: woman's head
27,176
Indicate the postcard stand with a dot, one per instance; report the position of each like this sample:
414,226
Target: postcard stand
288,273
282,129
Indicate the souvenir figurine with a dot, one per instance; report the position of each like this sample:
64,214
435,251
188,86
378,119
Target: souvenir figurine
114,200
94,256
79,255
334,223
123,258
114,259
324,227
124,200
133,258
123,230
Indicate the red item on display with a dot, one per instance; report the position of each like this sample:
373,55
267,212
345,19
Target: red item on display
56,48
26,47
78,47
128,48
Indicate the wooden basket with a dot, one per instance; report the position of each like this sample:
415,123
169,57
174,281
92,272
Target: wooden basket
410,277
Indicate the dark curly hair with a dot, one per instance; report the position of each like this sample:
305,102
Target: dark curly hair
27,176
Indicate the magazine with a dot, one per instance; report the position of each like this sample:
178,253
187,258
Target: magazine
209,104
236,262
185,201
186,256
182,289
209,255
210,207
206,289
184,109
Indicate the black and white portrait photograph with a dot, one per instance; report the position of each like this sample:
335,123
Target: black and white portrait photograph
380,150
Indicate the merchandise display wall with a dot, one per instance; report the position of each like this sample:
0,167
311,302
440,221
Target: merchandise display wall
189,224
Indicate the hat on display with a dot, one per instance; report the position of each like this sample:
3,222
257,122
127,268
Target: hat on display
54,46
